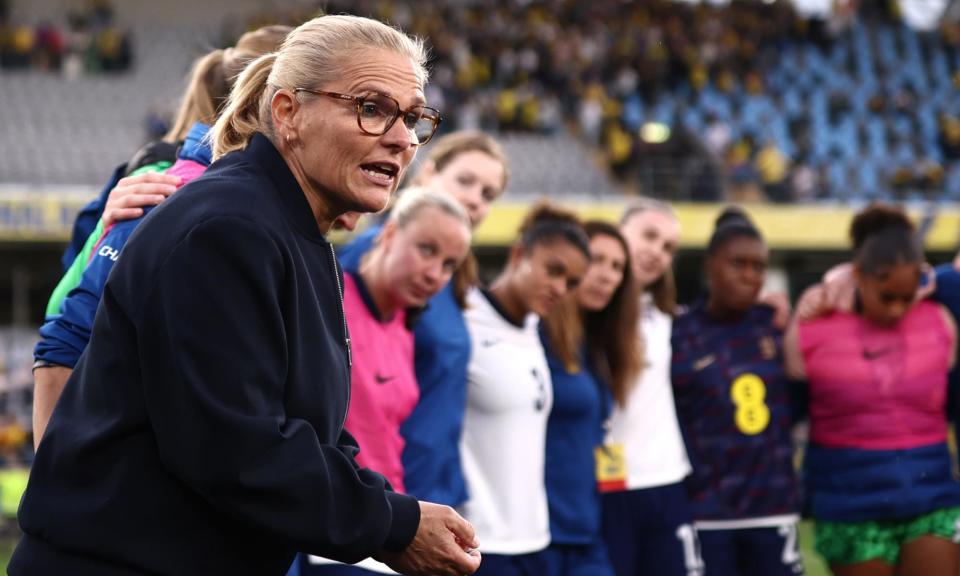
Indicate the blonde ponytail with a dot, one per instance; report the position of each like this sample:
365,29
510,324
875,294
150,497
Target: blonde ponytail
241,119
213,75
207,80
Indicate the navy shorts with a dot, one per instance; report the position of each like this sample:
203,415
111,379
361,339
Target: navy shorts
578,560
649,532
769,551
533,564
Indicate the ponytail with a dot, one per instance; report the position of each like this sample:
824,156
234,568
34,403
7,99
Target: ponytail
241,119
466,277
207,84
213,75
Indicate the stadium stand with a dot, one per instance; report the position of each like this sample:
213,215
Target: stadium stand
690,102
857,107
16,397
90,43
559,165
72,131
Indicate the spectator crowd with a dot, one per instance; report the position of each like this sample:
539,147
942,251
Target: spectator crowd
758,101
90,42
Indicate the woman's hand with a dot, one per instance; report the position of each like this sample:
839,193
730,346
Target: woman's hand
836,293
131,194
445,545
780,302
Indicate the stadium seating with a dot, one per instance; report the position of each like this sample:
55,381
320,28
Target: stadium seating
554,166
861,111
59,131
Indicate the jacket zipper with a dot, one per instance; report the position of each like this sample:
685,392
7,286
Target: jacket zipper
343,322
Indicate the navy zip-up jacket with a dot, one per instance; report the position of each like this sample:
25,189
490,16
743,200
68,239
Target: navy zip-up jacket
202,430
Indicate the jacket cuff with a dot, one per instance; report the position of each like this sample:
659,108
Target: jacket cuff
405,520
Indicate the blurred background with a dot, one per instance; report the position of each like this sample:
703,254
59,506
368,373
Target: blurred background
801,110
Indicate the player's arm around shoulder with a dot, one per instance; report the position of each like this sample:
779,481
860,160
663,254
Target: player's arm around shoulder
792,354
951,324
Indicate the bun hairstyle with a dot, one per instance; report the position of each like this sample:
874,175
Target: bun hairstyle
546,223
883,236
732,223
212,77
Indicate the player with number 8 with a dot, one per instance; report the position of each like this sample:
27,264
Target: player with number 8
733,403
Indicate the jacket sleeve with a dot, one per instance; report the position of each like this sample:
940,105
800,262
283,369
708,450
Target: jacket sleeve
88,217
65,336
71,278
214,361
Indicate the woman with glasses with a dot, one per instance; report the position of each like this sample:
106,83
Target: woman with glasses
202,431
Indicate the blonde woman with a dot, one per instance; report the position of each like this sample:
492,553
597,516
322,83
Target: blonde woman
202,431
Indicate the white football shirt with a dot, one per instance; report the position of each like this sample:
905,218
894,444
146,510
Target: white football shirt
509,396
647,425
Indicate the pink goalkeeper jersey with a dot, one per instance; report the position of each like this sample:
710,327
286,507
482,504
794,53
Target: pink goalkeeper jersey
878,388
384,388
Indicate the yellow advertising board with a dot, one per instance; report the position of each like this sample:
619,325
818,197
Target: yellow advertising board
805,227
38,216
33,216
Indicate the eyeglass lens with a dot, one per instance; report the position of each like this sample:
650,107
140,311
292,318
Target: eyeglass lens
377,114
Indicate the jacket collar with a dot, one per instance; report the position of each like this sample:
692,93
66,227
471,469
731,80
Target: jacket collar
264,153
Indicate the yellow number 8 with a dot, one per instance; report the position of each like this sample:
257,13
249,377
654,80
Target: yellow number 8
748,393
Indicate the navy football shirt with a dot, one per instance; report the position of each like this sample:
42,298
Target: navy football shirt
733,403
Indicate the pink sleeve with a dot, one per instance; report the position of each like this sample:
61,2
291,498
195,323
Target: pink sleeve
187,170
810,335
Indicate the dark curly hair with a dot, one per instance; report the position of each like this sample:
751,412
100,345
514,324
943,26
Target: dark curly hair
883,236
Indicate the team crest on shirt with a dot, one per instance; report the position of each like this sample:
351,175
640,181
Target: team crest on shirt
768,348
704,362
